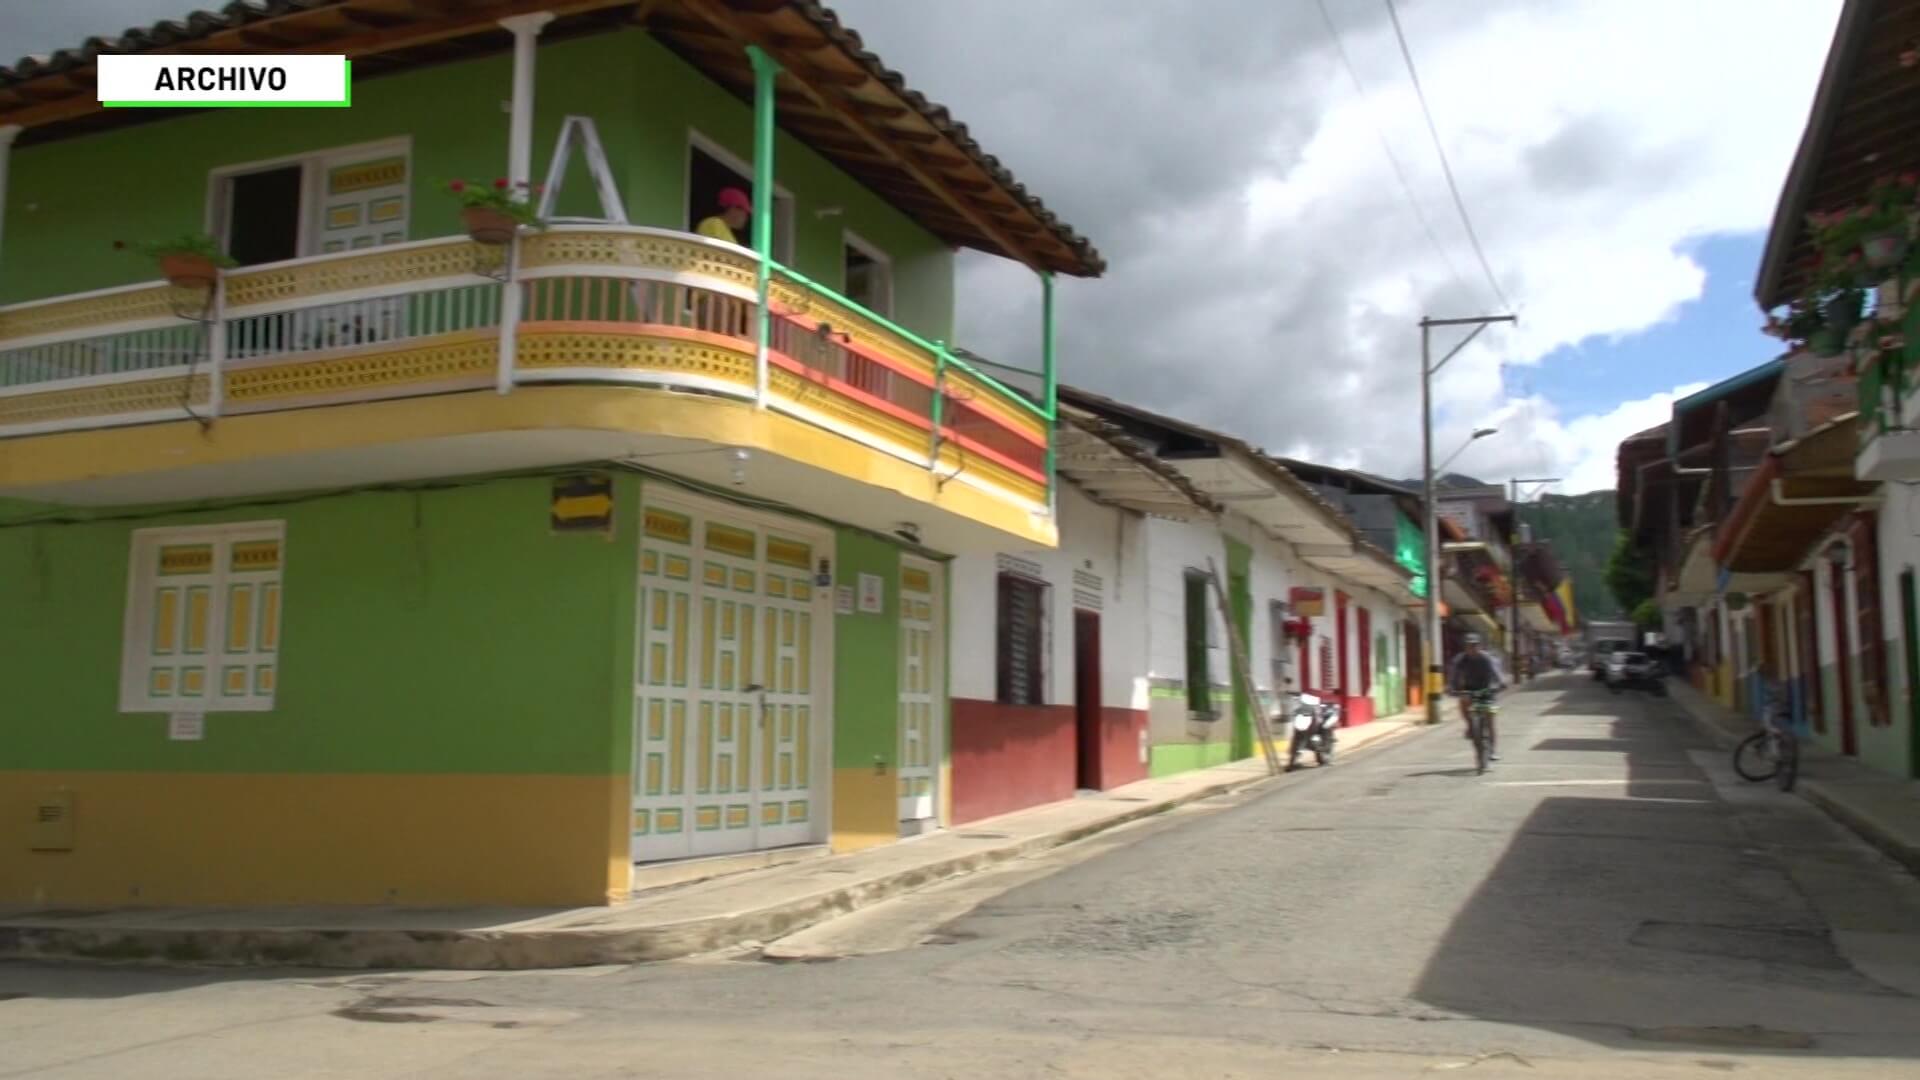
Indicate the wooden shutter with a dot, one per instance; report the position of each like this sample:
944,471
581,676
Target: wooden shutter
1365,634
1021,639
1199,673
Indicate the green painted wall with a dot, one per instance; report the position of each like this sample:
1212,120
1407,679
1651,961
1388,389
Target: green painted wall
866,656
439,631
1170,758
68,205
922,265
1240,599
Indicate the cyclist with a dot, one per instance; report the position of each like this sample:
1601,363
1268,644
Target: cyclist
1475,670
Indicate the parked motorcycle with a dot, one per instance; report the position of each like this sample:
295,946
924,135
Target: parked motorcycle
1314,723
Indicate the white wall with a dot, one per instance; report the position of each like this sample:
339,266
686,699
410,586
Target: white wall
1890,748
1274,572
1140,565
1103,545
1171,549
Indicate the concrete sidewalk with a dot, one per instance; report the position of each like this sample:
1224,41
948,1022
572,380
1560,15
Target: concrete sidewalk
1883,809
663,924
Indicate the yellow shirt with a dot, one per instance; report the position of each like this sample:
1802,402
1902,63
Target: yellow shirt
716,228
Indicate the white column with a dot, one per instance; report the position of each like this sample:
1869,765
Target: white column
7,133
525,29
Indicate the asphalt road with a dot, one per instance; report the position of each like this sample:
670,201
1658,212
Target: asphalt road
1608,902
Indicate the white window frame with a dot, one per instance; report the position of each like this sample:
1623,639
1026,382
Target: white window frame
219,205
137,628
783,201
851,239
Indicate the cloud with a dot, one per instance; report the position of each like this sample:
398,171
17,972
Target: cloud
1580,451
1267,273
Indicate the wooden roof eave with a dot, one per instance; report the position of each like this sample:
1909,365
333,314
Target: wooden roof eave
1850,37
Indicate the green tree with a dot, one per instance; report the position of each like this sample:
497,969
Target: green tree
1629,573
1581,529
1647,615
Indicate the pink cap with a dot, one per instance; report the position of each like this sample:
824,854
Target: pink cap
734,199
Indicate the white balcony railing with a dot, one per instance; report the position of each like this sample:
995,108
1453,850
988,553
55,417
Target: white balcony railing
610,305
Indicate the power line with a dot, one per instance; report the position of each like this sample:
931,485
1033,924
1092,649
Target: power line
1393,13
1399,171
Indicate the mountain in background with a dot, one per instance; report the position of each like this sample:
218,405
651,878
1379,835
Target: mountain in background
1581,529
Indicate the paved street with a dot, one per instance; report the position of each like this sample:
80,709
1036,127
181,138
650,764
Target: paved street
1608,902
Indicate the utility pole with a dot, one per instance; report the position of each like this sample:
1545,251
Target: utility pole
1427,371
1513,572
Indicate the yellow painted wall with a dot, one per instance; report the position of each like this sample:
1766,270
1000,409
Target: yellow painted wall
866,808
35,461
223,838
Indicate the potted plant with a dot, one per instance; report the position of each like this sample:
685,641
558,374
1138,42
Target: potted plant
492,212
192,261
1871,239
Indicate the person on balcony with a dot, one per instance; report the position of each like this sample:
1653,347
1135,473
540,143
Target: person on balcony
731,219
702,309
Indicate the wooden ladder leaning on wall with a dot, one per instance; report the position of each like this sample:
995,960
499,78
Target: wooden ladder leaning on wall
1243,669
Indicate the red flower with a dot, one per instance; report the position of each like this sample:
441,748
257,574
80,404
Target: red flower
457,185
500,184
1910,178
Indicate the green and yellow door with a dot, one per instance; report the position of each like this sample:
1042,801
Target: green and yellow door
731,722
922,694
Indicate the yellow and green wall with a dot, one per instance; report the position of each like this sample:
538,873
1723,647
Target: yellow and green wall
452,721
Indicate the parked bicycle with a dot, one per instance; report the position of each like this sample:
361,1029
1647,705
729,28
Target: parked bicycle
1773,752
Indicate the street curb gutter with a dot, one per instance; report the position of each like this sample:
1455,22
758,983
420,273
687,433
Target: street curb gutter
487,950
1865,825
1862,824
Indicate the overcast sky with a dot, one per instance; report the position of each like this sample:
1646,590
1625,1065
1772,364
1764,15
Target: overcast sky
1266,268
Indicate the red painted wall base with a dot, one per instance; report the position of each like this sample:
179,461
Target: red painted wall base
1120,732
1355,711
1011,757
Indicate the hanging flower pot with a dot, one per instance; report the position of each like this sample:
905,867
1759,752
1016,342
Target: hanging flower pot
1827,341
493,212
1885,250
488,225
191,262
1842,310
185,271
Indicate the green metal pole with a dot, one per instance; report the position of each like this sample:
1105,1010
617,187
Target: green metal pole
939,401
765,70
1048,374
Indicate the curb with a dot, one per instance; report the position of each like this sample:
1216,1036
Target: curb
1815,791
1863,825
503,950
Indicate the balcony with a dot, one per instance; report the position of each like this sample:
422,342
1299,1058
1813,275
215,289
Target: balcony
616,310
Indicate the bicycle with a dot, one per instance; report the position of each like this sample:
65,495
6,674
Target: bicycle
1480,713
1773,752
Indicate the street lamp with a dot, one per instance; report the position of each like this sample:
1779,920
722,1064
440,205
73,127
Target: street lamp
1478,434
1427,371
